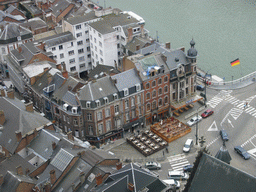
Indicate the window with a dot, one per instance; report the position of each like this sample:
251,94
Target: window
95,48
108,125
101,60
116,108
166,100
123,39
64,118
96,56
94,31
81,58
88,104
99,35
132,101
148,107
126,103
100,128
82,66
182,84
89,116
71,44
86,32
117,37
173,96
107,112
154,105
62,55
153,83
186,81
99,115
115,96
147,86
97,103
54,48
80,51
140,110
60,47
148,96
75,122
79,42
138,99
88,48
160,102
165,79
95,40
118,45
73,68
87,40
159,81
68,120
90,130
79,35
126,92
133,114
101,53
160,91
127,116
91,37
72,60
78,27
81,121
100,43
119,53
71,52
174,85
154,94
166,89
105,100
137,87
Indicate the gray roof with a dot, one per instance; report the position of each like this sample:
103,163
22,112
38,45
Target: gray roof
31,7
59,7
223,155
213,175
34,23
11,8
131,173
17,119
106,25
95,90
71,99
81,19
62,160
18,18
58,39
149,49
102,69
126,79
131,46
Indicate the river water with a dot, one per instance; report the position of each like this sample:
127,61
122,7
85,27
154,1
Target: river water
222,29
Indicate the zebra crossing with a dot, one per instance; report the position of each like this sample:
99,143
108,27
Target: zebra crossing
177,162
214,101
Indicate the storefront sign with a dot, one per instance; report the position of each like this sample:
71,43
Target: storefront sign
189,101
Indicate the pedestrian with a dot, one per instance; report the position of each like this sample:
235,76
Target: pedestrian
163,153
246,104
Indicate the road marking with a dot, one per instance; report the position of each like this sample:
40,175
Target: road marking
213,141
246,142
236,112
213,127
230,123
177,162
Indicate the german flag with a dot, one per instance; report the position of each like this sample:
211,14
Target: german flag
235,62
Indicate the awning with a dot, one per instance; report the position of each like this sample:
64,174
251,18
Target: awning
184,103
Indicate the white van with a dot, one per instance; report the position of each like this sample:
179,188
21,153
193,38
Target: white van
177,175
171,182
188,145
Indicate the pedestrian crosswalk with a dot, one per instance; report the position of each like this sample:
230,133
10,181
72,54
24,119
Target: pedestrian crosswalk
236,112
214,101
177,162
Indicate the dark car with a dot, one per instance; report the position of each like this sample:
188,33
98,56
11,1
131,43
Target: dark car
202,95
200,87
241,151
207,113
224,135
188,168
152,165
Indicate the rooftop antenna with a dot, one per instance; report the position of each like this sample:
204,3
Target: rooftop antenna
157,36
104,4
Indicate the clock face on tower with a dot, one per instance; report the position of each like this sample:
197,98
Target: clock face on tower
180,70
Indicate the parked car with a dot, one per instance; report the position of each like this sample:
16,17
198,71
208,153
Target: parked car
224,135
188,168
188,145
241,151
152,165
200,87
177,175
172,183
202,95
194,120
207,113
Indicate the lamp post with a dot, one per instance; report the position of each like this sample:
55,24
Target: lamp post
197,126
205,85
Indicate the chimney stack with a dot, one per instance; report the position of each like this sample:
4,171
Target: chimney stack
130,33
19,49
29,106
118,165
2,118
137,47
2,93
10,94
73,186
168,45
54,145
52,176
18,136
1,180
82,177
47,187
99,179
70,136
19,170
130,187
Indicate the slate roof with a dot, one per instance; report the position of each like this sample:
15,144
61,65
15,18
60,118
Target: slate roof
17,119
71,99
149,49
82,18
213,175
122,79
57,39
34,23
11,8
131,173
15,17
106,25
59,5
95,90
99,69
223,155
131,46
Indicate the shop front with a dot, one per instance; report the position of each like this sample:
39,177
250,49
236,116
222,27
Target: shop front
133,124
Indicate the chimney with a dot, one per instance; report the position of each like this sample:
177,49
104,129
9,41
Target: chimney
168,45
70,136
19,49
130,187
52,176
137,47
82,177
58,66
18,136
118,165
2,92
142,31
60,10
19,170
182,49
130,33
1,180
54,145
99,179
69,88
47,187
45,69
10,93
73,186
2,118
29,106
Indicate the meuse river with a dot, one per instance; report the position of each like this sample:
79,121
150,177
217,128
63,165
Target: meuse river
222,29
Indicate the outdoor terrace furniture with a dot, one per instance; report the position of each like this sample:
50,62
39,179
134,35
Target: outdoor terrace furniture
132,138
180,110
158,139
176,114
148,142
186,108
191,105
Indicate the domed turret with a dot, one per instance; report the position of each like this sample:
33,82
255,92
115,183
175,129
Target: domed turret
192,52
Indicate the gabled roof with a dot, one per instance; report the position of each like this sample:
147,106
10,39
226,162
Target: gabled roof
35,23
71,99
59,6
214,175
131,46
17,119
101,69
122,79
62,160
133,174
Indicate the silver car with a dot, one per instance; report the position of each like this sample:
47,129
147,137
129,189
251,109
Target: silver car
194,120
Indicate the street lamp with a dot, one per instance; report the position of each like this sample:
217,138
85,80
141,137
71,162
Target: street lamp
205,85
197,126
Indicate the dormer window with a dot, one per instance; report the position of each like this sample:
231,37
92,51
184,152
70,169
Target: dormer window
88,104
65,106
138,87
97,103
126,92
105,100
115,96
74,110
